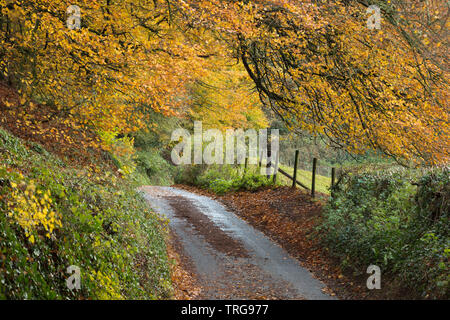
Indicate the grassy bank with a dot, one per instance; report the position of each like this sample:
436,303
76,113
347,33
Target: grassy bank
322,183
53,216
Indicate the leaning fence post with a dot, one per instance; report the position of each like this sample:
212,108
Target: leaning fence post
313,184
269,160
294,183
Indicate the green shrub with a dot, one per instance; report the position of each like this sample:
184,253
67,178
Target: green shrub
223,178
189,174
153,166
154,146
397,220
107,229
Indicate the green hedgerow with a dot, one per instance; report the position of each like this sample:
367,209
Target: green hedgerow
398,220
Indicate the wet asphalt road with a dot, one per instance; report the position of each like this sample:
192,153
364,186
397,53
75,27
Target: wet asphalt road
230,258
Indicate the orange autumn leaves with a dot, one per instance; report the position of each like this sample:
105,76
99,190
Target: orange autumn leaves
365,89
314,64
125,54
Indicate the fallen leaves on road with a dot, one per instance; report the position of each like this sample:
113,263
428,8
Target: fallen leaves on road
289,217
185,285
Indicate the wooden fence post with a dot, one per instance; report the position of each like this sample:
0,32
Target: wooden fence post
294,183
245,165
333,176
269,160
313,184
260,159
277,160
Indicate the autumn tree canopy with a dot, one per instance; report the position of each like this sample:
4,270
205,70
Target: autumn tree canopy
125,53
316,64
320,68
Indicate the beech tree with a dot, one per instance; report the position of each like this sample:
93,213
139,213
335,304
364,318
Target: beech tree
322,68
324,71
120,55
319,65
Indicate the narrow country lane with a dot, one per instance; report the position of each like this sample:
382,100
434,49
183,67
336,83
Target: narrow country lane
230,258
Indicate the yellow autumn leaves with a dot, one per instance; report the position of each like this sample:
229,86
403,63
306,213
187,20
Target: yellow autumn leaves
32,210
110,286
126,54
